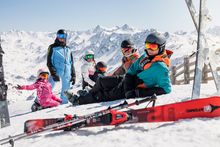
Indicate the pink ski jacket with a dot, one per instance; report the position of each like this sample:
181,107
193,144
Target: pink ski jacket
44,93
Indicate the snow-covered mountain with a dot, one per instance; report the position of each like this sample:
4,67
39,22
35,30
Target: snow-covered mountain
25,53
27,50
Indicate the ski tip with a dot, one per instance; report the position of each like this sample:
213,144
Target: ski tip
11,142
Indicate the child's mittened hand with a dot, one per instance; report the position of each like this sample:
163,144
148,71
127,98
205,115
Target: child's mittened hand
18,87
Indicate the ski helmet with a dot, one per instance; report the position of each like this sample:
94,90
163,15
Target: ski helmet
41,71
101,66
127,48
126,44
89,54
62,34
156,38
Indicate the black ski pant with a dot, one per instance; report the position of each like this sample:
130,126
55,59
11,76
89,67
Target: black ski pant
108,88
112,88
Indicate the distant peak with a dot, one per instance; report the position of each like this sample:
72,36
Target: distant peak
98,28
126,27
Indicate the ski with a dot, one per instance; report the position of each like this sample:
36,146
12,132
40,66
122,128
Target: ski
4,114
204,50
202,107
74,122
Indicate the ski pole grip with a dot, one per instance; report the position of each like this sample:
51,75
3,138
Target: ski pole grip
151,98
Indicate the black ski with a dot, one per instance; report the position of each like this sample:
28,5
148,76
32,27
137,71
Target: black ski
4,114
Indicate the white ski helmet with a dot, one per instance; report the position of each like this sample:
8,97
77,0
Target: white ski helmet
88,53
42,70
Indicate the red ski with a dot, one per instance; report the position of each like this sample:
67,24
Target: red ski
203,107
70,122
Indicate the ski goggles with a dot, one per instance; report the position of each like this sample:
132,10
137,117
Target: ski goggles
124,50
61,36
89,56
151,46
103,69
127,51
44,75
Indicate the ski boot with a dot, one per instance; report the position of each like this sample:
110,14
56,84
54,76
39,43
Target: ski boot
69,93
36,107
74,100
82,92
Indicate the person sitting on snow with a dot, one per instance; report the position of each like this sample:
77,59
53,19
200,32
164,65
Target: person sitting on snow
100,71
130,55
88,69
45,97
147,76
90,72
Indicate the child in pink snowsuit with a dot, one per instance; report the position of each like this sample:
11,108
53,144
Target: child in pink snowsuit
44,90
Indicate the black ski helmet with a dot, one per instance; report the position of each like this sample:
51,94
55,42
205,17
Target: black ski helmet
126,44
61,31
157,39
100,65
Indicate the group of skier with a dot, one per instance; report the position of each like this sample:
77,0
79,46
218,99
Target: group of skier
138,76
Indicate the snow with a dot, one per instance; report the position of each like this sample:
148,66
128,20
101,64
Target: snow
25,53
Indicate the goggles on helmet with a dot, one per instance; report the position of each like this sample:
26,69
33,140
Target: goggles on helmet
44,75
61,36
89,56
103,69
151,46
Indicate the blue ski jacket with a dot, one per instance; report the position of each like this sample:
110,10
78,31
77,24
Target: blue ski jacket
156,75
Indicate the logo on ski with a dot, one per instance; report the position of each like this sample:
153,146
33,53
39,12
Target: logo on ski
209,108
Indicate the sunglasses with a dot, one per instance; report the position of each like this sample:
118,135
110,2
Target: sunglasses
61,36
44,75
151,46
89,56
125,50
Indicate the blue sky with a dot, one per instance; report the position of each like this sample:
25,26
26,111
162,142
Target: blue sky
50,15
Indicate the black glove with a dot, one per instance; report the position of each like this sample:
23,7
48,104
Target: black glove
55,77
73,80
18,87
138,81
130,94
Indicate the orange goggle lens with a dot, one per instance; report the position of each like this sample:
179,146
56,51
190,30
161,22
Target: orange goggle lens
44,75
151,46
103,69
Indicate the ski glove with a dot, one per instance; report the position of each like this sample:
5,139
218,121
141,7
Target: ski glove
55,77
73,80
18,87
130,94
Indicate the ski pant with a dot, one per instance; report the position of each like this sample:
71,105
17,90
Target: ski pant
65,86
84,84
107,88
111,88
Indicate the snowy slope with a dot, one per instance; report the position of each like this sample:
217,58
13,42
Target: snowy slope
198,132
25,53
